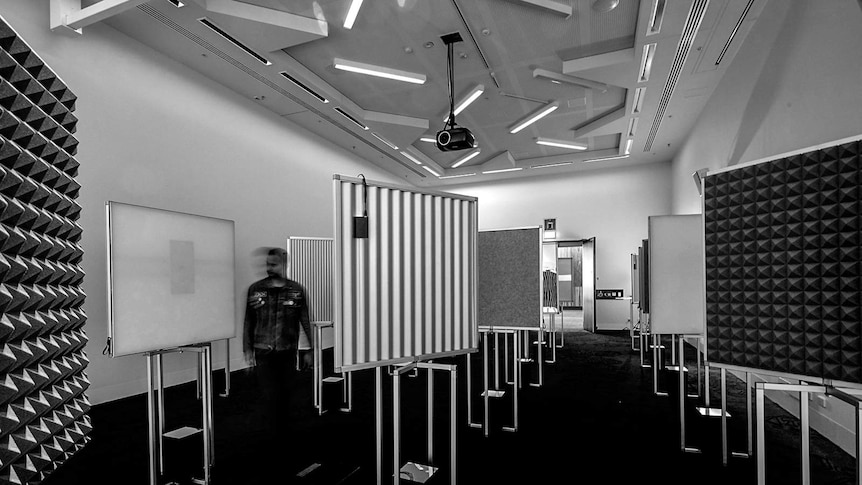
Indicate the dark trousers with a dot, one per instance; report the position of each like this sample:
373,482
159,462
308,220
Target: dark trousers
275,371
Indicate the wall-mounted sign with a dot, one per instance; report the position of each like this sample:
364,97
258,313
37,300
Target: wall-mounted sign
609,294
550,229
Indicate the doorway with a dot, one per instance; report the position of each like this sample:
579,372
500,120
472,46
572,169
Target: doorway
572,265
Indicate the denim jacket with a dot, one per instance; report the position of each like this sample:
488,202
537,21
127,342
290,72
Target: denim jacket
275,325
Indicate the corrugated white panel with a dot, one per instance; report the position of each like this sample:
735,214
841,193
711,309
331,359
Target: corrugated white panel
407,292
311,261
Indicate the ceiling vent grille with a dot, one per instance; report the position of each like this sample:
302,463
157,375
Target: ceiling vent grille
168,22
692,24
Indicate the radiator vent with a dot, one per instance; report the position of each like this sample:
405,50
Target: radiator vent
692,24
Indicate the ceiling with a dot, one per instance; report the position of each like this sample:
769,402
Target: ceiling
586,57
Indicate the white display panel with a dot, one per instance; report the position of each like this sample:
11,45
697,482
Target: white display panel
170,279
407,291
676,275
311,266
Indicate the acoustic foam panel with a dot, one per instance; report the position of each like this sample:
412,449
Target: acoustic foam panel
311,266
510,277
170,279
676,274
783,264
407,291
43,406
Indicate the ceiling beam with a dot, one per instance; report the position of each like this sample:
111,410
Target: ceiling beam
599,122
69,16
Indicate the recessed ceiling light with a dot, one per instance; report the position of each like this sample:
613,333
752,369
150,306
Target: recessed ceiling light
656,16
605,158
428,139
646,62
605,6
629,146
549,165
411,158
560,143
458,176
302,86
467,157
504,170
385,141
177,3
638,101
378,71
534,117
431,171
351,118
248,50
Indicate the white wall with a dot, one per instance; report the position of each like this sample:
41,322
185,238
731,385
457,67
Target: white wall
795,84
610,204
154,133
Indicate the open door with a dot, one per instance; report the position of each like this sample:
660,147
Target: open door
589,282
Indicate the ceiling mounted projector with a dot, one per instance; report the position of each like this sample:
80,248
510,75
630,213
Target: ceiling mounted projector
453,137
458,138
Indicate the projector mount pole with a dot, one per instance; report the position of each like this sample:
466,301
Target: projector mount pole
450,39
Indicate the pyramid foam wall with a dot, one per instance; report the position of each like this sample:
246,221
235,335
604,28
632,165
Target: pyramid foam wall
44,408
783,264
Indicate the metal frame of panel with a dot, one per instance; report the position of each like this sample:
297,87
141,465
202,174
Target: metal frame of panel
407,292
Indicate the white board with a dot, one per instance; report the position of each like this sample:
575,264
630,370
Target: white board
676,278
170,279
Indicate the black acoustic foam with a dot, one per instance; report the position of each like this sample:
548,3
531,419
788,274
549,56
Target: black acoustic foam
783,264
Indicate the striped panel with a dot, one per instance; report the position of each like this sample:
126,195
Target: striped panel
407,292
311,266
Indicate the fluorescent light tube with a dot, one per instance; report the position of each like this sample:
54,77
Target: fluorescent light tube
351,14
549,165
384,140
560,144
646,62
467,157
504,170
411,158
431,170
458,176
534,117
629,146
378,71
471,96
428,139
605,158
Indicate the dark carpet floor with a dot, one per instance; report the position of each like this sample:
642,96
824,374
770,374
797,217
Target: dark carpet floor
594,419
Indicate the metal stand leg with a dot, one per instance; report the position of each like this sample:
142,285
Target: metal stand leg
160,396
761,431
805,443
486,418
506,358
430,409
209,455
453,428
514,426
470,422
749,384
396,427
723,416
378,415
152,430
496,361
226,392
